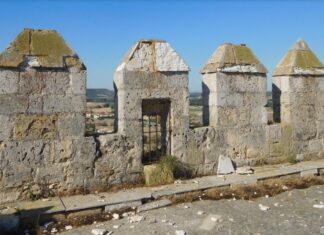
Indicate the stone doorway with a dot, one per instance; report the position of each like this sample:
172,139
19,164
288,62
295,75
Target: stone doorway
156,129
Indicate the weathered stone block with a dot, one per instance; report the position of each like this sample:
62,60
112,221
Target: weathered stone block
57,83
315,145
28,152
50,174
11,104
5,127
16,175
64,150
31,82
284,84
35,104
64,104
78,83
302,84
274,133
71,125
56,104
9,81
33,127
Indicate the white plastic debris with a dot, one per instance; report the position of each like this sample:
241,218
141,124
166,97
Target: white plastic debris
200,213
116,226
54,230
68,227
186,206
99,231
263,207
319,206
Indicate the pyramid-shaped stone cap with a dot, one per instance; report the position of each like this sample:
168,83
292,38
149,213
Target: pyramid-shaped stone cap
232,58
39,48
299,60
153,56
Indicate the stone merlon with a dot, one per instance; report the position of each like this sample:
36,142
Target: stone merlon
153,56
232,58
299,60
39,48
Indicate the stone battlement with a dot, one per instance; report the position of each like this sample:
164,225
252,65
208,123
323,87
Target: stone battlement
43,104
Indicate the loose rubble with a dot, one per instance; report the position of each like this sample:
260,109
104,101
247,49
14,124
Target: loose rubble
225,165
263,207
98,231
135,218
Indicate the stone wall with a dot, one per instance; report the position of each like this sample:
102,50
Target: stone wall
43,148
42,113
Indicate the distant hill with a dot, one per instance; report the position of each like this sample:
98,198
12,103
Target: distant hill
100,95
107,96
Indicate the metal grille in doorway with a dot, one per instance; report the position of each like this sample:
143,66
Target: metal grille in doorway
156,131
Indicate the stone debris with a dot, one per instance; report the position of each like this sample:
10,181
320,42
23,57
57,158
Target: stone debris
186,206
54,230
126,214
200,212
68,227
210,222
135,218
116,216
216,218
322,230
180,232
99,231
178,182
116,226
319,206
225,165
245,170
285,187
263,207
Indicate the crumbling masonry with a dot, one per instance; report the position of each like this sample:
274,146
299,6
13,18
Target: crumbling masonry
42,114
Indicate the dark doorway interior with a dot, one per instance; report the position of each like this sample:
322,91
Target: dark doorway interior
156,129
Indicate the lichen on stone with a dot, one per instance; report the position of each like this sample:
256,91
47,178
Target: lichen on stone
299,60
235,59
46,46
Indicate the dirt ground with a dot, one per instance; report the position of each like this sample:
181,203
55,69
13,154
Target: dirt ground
291,212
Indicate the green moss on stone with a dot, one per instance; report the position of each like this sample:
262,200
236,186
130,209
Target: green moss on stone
51,48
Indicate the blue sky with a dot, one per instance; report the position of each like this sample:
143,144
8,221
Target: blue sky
101,32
